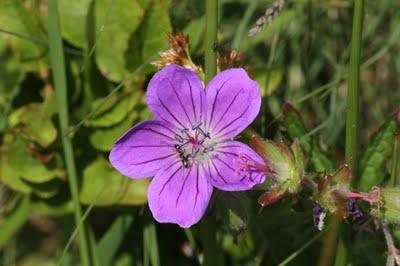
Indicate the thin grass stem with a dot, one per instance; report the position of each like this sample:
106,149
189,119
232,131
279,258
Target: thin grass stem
208,225
244,22
336,243
300,250
211,39
60,82
395,162
39,41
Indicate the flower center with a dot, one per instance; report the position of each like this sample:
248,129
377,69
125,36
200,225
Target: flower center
193,144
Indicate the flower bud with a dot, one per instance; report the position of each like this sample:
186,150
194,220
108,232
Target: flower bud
332,193
286,167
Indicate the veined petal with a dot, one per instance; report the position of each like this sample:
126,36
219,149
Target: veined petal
233,102
235,167
179,195
144,149
176,94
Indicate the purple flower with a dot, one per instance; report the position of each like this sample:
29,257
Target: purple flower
188,148
352,209
319,214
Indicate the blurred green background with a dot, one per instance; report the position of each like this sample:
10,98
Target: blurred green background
301,57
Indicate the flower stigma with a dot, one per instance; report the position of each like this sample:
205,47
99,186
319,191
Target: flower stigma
194,145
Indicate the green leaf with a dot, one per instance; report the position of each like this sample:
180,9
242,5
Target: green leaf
13,221
117,113
126,259
112,239
73,13
195,31
295,128
104,186
60,205
374,157
104,138
115,22
269,81
10,73
15,18
11,178
102,105
151,37
25,165
35,119
46,189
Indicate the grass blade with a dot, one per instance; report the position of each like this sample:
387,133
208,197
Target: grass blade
242,28
150,244
395,162
352,129
111,241
60,82
300,250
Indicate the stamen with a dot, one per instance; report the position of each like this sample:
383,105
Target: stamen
179,138
249,166
208,149
196,126
179,147
199,129
192,143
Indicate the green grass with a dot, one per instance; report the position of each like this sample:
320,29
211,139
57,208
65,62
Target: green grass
58,67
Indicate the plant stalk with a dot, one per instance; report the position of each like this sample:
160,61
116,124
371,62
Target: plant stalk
395,162
211,44
208,225
60,82
333,245
353,91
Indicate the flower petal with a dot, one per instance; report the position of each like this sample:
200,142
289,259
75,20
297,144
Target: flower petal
233,102
179,195
176,94
235,167
144,149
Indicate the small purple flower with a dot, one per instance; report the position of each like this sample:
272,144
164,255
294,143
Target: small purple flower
319,214
188,148
352,209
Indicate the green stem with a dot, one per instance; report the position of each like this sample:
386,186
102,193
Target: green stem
352,115
395,162
59,78
332,243
210,63
208,238
208,226
353,92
